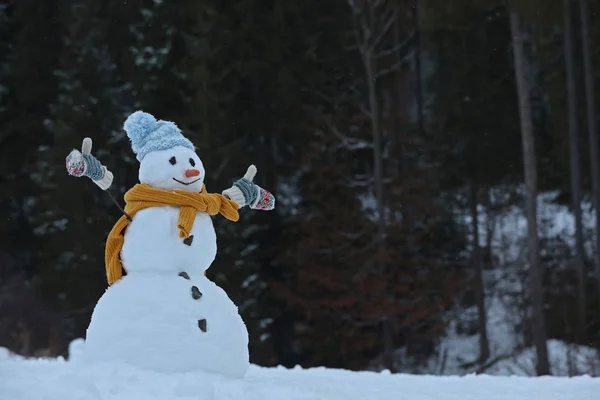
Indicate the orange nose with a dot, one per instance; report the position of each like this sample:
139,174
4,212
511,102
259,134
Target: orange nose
191,172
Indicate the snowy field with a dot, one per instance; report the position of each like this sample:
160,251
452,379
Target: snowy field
51,379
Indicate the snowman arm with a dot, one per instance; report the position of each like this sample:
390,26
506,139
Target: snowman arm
84,164
235,194
244,192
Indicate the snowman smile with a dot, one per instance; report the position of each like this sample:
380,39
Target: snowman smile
186,183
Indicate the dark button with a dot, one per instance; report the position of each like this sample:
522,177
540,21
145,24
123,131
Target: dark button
184,275
196,293
202,324
188,240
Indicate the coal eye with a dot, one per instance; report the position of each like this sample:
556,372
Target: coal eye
173,160
192,162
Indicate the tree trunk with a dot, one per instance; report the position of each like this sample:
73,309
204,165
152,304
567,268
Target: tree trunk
377,151
484,345
590,96
418,89
370,68
529,162
575,174
399,138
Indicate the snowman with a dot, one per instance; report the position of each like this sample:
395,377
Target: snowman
160,311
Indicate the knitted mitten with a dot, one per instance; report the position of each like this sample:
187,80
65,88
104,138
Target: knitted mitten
84,164
246,193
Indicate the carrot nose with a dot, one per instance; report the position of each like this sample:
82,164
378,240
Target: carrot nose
191,172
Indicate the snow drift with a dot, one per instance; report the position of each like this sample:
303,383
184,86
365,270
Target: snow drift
57,379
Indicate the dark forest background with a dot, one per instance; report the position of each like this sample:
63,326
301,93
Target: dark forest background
392,133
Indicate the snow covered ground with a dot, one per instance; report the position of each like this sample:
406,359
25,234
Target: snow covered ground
57,379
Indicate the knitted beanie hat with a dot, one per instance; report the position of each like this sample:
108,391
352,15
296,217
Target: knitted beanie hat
147,134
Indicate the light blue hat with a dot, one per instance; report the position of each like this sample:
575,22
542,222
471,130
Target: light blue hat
147,134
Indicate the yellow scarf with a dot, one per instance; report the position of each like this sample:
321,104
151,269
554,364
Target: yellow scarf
143,196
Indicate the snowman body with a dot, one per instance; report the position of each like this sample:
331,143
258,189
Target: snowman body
151,321
152,243
165,315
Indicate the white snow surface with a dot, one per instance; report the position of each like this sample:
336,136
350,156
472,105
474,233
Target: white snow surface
57,379
151,321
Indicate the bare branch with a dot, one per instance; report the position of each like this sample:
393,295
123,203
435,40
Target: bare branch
366,31
347,142
353,146
365,110
323,96
385,29
389,12
363,183
357,37
501,357
394,49
391,68
353,235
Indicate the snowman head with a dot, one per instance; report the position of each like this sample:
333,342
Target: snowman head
176,168
167,158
